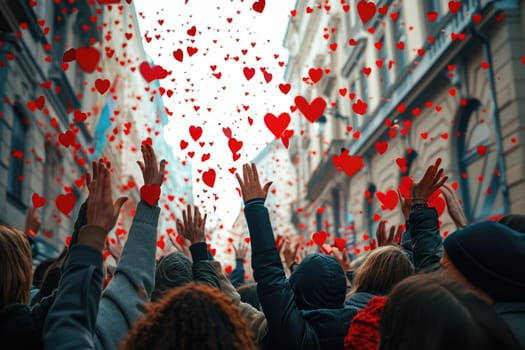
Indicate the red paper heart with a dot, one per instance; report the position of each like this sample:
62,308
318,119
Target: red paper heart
340,243
178,55
439,204
359,107
388,200
235,146
366,10
248,72
320,237
381,147
312,111
227,132
285,88
65,203
350,164
69,55
259,6
67,138
191,31
285,137
228,269
402,164
152,73
277,125
150,194
38,201
315,74
195,132
208,177
102,85
87,58
454,6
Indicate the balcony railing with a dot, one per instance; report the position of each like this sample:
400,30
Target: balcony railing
325,171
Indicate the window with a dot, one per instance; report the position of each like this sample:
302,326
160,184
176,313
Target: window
16,159
400,38
370,210
385,79
59,33
336,206
478,165
318,222
356,119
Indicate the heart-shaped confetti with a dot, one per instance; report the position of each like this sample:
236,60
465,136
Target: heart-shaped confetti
259,6
277,125
208,177
87,58
65,203
366,10
152,73
102,85
312,111
37,200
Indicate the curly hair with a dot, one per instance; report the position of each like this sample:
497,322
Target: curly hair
192,317
15,266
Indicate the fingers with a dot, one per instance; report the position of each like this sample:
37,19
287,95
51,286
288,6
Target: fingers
118,205
391,234
141,166
162,168
189,218
245,170
266,188
254,173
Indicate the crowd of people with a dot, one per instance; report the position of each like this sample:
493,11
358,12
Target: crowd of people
415,290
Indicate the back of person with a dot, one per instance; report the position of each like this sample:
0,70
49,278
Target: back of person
330,325
190,317
432,312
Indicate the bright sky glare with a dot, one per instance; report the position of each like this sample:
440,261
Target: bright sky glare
229,36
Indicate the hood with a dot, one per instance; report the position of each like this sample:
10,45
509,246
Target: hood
318,283
173,270
358,300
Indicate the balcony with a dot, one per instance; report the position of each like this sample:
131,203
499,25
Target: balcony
326,171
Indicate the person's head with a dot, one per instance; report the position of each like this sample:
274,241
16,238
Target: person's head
15,266
485,257
40,271
427,311
514,221
173,270
190,317
248,294
382,270
318,283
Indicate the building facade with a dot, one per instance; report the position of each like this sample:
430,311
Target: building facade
46,96
419,80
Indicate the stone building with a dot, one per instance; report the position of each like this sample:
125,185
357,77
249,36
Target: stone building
438,79
41,95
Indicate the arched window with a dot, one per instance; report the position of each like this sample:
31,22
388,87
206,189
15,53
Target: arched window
479,178
371,208
15,177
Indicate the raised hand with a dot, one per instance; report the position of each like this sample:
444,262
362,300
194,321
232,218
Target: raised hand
394,236
151,172
405,205
343,260
192,227
32,224
240,251
455,210
290,253
429,183
250,184
183,247
101,210
115,249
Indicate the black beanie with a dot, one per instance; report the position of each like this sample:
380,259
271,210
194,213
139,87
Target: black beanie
492,257
514,221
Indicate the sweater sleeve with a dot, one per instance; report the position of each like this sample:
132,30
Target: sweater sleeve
427,245
286,326
133,282
254,318
70,323
237,275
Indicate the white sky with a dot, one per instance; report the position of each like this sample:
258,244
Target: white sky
201,99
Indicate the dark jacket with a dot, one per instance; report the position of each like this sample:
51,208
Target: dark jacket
359,300
18,329
514,316
427,245
306,312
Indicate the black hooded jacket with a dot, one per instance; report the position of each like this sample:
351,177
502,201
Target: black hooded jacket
307,311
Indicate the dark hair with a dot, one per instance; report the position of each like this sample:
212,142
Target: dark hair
382,270
40,271
191,317
432,312
248,293
51,278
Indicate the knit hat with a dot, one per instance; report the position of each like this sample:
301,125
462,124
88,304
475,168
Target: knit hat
514,221
173,270
491,256
364,328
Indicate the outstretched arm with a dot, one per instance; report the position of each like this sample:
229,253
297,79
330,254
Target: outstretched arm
427,244
131,286
286,325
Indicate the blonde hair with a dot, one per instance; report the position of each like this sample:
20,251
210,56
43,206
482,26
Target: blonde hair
382,270
15,266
